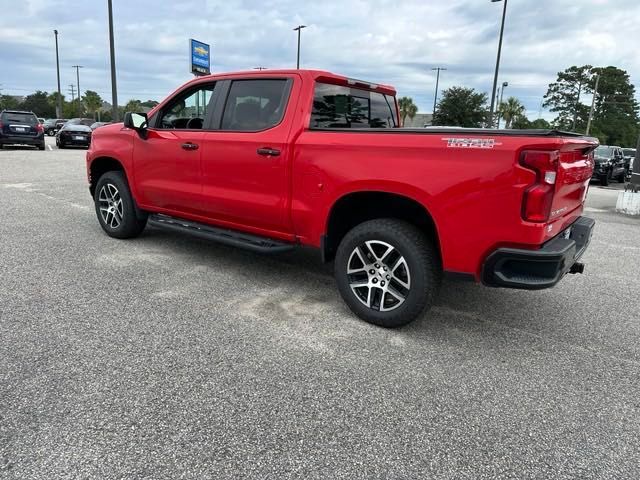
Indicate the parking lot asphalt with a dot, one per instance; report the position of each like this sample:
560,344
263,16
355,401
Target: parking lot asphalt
168,357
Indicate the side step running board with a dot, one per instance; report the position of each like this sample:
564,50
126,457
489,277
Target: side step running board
220,235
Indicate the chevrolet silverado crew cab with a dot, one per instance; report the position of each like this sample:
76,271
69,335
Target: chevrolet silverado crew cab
275,159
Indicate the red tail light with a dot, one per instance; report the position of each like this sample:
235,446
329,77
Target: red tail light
536,204
40,128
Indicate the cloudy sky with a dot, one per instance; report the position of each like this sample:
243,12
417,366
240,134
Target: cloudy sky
389,41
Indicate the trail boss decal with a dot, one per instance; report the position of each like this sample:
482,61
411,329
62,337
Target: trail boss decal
471,142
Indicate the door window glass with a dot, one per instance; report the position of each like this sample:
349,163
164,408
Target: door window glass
254,105
188,110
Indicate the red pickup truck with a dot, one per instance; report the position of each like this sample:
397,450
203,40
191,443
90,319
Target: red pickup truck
274,159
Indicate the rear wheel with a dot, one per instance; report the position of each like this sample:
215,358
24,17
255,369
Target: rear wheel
115,207
387,272
42,146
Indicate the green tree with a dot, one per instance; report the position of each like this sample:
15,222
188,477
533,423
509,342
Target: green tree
53,102
511,110
133,106
407,108
150,103
93,102
616,118
521,122
461,107
38,103
540,123
9,102
563,97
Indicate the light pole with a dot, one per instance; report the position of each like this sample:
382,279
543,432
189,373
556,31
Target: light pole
78,67
593,103
59,106
435,98
504,85
114,88
495,76
299,29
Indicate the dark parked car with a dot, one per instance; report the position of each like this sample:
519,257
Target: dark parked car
76,132
52,125
609,164
20,128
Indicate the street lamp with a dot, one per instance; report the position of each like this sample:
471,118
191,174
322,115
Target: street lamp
78,67
495,76
299,29
435,98
59,106
114,88
504,85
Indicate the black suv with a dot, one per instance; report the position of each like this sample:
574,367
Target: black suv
20,128
609,164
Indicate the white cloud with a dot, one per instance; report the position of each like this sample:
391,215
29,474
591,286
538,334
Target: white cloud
396,42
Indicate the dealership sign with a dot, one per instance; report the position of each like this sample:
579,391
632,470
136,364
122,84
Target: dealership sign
200,57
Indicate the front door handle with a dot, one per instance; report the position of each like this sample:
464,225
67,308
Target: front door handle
190,146
268,152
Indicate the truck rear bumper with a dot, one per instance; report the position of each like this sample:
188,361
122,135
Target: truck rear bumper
543,268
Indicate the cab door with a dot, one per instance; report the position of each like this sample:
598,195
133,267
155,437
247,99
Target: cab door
167,161
245,160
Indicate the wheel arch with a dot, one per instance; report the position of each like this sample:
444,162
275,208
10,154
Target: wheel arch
354,208
101,165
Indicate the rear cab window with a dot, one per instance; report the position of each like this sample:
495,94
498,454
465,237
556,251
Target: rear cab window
337,106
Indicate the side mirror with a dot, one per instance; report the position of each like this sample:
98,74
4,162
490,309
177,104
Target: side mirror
136,121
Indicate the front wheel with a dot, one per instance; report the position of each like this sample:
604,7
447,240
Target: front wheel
115,207
604,180
387,272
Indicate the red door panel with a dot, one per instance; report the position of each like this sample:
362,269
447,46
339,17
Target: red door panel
167,175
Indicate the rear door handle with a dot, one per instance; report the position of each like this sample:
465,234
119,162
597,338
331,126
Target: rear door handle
268,152
190,146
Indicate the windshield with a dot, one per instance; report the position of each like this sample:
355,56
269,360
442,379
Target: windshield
23,118
606,152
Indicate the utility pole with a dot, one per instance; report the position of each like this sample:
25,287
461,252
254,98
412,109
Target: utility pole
59,105
575,108
78,67
114,88
299,29
435,98
504,85
593,103
495,75
72,91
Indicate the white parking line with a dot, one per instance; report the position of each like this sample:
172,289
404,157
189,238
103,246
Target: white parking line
50,147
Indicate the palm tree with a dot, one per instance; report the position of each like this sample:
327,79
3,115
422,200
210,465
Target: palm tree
407,108
510,110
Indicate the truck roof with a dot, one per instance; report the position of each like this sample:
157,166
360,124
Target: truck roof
316,75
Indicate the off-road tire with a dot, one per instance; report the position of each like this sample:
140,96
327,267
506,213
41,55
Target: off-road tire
115,207
423,267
